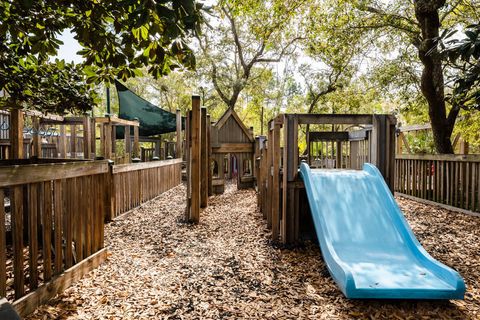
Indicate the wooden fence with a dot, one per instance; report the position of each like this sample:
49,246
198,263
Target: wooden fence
52,222
133,184
452,180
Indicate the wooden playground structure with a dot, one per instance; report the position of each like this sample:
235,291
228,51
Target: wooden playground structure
281,195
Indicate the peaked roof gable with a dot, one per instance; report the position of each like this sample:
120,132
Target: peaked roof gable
231,113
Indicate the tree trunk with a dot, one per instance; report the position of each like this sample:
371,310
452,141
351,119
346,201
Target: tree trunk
432,81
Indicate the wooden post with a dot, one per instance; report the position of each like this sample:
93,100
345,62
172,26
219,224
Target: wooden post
209,156
157,148
86,138
16,133
62,145
93,136
73,141
204,160
338,157
107,140
36,141
275,186
114,139
178,148
136,143
195,159
188,163
128,144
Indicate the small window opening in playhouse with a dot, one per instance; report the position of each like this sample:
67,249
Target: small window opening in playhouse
214,168
247,167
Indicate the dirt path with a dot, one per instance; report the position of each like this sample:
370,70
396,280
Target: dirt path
160,267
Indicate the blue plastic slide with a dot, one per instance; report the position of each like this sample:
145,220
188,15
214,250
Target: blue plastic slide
367,244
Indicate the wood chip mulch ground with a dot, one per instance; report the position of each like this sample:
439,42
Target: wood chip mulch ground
226,268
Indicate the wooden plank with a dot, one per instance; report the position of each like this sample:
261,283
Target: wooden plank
3,247
204,163
46,192
58,217
24,174
16,204
33,204
43,294
195,159
333,118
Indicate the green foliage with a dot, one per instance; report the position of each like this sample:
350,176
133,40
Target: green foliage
55,87
464,54
119,38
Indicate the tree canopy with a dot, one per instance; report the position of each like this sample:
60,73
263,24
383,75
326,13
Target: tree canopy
119,37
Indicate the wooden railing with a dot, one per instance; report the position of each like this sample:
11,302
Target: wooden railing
452,180
56,214
133,184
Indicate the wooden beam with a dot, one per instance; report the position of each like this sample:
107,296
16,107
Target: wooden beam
129,167
27,304
416,127
179,149
332,118
117,121
62,142
16,133
441,157
328,136
32,173
233,148
195,159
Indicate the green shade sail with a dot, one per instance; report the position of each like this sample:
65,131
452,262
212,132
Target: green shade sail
153,120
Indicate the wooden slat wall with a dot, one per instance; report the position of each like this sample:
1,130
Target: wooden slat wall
136,183
56,222
450,180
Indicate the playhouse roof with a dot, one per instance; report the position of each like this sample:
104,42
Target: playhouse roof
230,113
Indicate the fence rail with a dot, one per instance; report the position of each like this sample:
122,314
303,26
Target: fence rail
133,184
447,179
53,221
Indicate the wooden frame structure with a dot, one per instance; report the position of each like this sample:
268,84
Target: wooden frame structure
281,195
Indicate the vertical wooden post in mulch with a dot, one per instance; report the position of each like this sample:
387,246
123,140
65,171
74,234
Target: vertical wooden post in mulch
195,160
204,160
209,157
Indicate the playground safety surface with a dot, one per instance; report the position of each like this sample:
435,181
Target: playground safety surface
160,267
